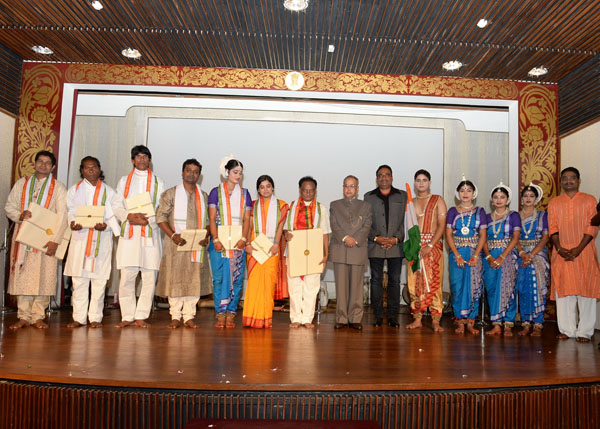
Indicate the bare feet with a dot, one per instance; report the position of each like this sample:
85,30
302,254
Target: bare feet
229,323
495,331
436,326
507,331
174,324
460,329
20,324
142,323
294,325
537,332
95,325
309,325
416,324
191,324
562,336
471,328
124,324
74,324
582,340
220,322
523,332
40,324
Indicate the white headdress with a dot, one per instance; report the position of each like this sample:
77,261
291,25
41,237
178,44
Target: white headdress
222,165
464,179
539,190
506,188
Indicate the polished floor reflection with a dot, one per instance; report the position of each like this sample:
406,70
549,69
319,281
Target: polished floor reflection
282,359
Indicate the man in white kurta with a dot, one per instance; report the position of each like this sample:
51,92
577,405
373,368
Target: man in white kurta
306,213
90,251
33,274
140,245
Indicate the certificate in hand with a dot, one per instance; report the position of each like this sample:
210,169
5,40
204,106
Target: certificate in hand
305,251
261,247
229,235
40,228
141,203
89,216
192,237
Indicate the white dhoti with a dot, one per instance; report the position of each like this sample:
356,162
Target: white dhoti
576,316
303,297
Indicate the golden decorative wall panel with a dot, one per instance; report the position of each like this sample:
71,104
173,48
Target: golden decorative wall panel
41,94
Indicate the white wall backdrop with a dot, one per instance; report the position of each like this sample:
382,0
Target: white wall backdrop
289,150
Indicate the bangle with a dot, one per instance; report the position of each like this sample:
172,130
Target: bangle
487,258
521,252
216,240
244,239
275,242
173,235
375,239
503,258
430,245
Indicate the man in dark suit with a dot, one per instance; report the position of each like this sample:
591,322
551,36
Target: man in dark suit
385,243
350,220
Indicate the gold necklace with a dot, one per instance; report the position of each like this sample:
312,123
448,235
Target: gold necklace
496,232
528,231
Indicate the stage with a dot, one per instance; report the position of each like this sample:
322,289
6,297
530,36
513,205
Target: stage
379,373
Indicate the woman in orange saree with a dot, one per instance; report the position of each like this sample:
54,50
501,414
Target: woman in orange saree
268,216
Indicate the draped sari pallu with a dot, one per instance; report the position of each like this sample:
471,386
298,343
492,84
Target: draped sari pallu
263,279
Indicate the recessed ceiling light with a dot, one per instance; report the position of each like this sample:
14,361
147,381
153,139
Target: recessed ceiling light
452,65
482,23
97,5
295,5
331,48
131,53
538,71
42,50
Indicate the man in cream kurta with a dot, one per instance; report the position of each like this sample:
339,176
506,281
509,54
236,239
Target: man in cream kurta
33,274
140,244
306,213
90,251
183,276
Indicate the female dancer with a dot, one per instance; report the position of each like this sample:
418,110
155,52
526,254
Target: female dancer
465,235
500,266
534,266
228,204
268,218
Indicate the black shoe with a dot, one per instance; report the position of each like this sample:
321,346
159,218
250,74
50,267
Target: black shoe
339,325
357,326
378,322
393,323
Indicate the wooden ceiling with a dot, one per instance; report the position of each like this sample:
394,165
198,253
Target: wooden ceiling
369,36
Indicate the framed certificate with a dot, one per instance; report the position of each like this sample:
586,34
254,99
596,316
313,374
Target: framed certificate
192,237
229,235
141,203
89,216
305,251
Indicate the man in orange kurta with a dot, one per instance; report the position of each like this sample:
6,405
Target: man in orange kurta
575,271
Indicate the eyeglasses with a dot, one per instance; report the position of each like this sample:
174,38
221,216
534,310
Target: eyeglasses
352,186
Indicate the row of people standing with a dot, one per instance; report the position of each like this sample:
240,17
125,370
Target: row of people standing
506,252
515,263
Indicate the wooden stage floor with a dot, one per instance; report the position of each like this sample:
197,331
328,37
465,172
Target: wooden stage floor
284,359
